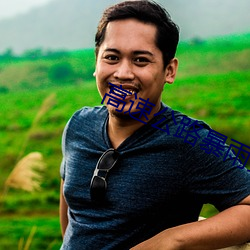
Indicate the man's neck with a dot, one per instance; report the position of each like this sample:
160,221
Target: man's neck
120,129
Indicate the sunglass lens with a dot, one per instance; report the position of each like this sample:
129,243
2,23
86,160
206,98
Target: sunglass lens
98,188
108,160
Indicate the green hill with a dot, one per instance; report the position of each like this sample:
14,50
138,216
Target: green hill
213,84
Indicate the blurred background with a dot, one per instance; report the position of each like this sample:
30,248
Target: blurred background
46,73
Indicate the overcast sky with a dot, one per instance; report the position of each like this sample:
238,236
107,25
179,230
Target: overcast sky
10,8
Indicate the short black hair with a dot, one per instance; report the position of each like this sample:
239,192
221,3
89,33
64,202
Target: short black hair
167,37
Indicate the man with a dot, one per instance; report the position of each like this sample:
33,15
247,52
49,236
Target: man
129,179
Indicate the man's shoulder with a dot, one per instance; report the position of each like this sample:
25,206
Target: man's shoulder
97,113
177,118
87,117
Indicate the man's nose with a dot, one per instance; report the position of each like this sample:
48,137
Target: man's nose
124,71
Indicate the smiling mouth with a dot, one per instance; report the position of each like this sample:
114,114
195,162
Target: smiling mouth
129,92
123,89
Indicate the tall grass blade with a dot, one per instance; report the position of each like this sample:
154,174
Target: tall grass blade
20,243
27,174
30,238
47,104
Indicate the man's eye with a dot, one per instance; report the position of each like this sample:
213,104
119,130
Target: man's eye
111,58
141,60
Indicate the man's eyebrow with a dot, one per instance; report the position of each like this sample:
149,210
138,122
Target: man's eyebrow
144,52
136,52
112,50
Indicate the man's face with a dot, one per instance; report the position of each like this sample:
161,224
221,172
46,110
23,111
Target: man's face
129,57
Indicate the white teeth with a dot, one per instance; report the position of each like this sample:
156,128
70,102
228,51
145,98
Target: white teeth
132,92
119,93
116,92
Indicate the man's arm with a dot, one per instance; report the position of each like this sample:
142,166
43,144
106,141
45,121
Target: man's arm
63,211
228,228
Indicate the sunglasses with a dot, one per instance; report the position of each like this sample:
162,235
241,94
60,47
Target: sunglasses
98,185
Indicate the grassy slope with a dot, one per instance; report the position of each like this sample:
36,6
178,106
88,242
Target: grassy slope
212,84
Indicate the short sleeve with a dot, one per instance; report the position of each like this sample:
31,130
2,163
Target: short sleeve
215,180
62,169
63,163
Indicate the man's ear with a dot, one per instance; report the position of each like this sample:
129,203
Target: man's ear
94,74
171,70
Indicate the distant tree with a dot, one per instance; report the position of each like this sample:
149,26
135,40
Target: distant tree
3,90
62,72
7,54
197,41
56,54
33,53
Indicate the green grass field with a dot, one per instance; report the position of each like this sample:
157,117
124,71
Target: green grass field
213,85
